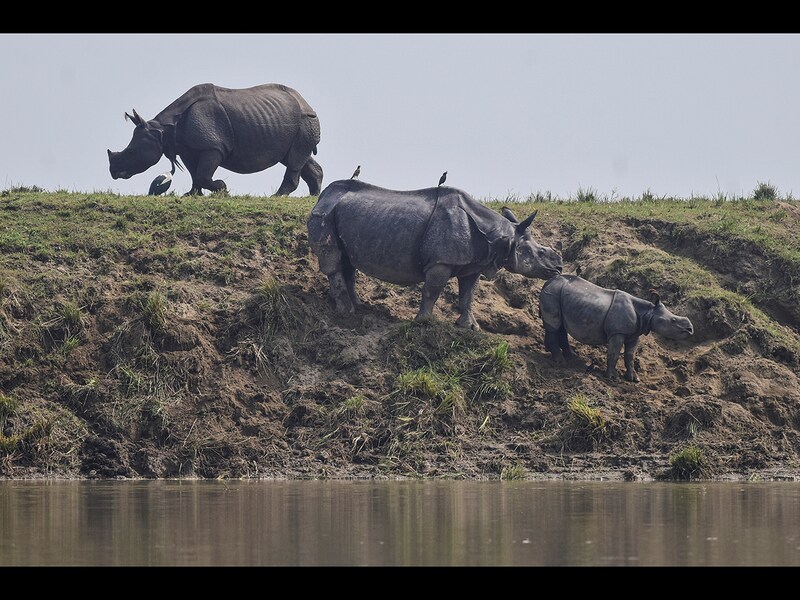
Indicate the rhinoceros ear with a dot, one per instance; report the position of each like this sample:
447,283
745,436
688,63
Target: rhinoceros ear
654,297
135,119
510,215
526,223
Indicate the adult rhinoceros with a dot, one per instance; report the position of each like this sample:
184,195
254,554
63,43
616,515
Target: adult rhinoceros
242,130
430,235
596,316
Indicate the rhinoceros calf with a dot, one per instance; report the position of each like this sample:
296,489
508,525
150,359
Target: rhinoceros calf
430,235
598,316
243,130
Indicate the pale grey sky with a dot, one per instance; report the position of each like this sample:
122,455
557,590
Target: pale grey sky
504,114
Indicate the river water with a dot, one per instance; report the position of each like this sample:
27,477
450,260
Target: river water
398,523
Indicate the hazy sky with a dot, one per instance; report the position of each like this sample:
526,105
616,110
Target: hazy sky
504,114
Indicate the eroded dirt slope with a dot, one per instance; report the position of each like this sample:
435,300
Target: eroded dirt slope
188,358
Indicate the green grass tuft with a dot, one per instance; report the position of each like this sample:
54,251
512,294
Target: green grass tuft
9,443
8,407
155,310
586,423
765,191
352,406
514,472
275,308
588,416
688,463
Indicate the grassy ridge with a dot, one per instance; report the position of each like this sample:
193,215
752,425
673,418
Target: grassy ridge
121,317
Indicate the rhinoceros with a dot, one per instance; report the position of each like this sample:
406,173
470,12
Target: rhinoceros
428,235
593,315
243,130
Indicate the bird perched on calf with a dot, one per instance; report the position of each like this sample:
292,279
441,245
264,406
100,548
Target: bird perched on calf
356,173
442,178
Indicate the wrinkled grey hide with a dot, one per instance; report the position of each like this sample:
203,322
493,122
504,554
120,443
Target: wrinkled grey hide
598,316
242,130
407,237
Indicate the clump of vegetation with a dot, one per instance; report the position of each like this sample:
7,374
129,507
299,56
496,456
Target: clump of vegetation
586,195
62,329
765,191
688,463
588,234
274,307
8,406
586,426
487,377
464,373
269,314
71,316
588,416
38,429
541,197
654,268
79,393
154,310
352,406
22,189
471,361
415,344
444,390
514,472
453,392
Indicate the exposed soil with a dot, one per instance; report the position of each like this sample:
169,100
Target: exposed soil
231,383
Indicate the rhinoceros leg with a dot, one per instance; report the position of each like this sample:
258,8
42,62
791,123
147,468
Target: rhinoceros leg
557,344
349,274
551,344
630,355
291,179
435,279
312,175
202,170
563,343
335,265
614,348
466,289
339,293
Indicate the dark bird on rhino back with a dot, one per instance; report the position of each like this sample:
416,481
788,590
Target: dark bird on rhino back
596,316
242,130
407,237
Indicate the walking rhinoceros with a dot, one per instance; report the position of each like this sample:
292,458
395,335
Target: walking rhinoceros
430,235
243,130
598,316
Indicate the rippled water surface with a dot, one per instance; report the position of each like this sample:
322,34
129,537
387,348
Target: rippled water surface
131,523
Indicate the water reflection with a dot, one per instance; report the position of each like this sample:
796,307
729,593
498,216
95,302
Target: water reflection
398,523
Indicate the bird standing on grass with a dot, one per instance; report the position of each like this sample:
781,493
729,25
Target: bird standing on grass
356,173
442,178
161,183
